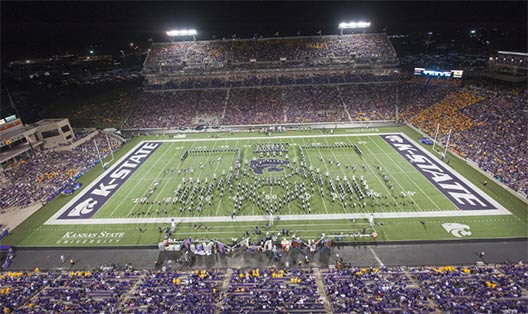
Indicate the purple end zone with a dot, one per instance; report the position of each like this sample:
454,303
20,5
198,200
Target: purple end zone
90,202
456,190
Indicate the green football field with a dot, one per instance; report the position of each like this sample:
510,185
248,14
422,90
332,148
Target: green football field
223,185
160,177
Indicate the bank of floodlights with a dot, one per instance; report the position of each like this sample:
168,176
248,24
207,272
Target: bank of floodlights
352,25
182,32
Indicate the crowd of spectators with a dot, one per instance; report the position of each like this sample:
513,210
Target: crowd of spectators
43,174
92,292
111,112
498,143
314,104
254,106
173,292
487,127
218,54
264,105
370,101
272,290
447,113
429,289
473,289
177,109
376,290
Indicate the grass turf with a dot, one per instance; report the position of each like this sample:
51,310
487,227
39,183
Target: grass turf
402,175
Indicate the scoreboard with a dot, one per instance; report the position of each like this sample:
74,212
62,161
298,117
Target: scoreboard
438,73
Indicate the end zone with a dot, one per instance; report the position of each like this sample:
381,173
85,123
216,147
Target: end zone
459,190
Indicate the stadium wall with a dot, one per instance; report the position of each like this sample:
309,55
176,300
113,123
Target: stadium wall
127,133
267,86
475,166
76,143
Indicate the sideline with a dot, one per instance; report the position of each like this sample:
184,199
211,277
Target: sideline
425,214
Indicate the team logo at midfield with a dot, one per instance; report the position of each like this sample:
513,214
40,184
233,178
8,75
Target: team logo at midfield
457,230
274,165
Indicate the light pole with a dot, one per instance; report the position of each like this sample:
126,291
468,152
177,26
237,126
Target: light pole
427,42
124,57
351,25
182,32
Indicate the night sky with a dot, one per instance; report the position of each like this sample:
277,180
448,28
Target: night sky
35,29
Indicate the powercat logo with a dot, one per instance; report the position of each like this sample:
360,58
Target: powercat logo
457,230
91,201
456,190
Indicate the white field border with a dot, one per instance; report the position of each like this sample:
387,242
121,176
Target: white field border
105,221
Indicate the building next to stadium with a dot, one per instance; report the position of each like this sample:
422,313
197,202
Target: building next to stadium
17,140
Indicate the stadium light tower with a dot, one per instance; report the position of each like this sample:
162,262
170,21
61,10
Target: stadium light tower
352,25
181,33
428,41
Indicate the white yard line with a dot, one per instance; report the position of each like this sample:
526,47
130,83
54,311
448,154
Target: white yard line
397,182
157,179
220,200
134,188
340,168
308,155
368,165
270,138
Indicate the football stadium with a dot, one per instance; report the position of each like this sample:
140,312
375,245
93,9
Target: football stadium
342,169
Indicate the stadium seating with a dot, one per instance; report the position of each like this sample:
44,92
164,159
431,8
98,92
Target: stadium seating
44,174
173,292
488,127
202,56
269,290
470,289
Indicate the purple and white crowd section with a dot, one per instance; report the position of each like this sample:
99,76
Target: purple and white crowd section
43,175
497,288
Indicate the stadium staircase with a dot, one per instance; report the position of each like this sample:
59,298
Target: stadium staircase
225,104
432,303
322,291
225,288
285,107
340,97
124,299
